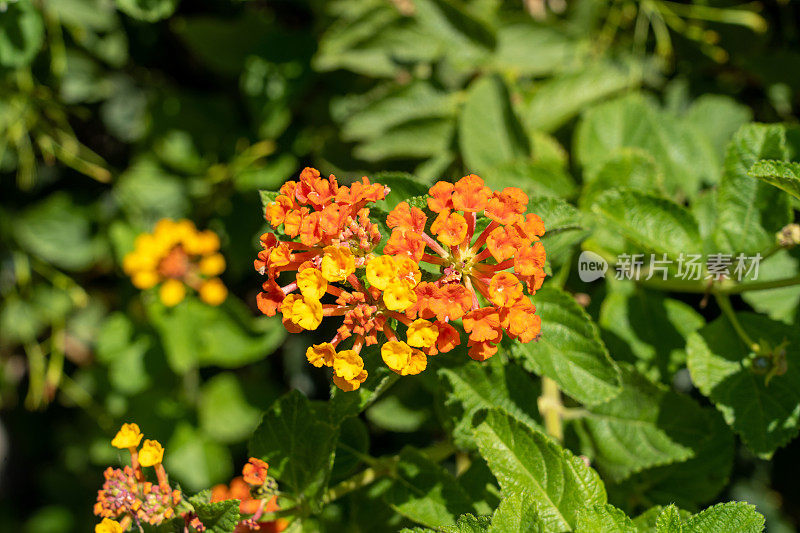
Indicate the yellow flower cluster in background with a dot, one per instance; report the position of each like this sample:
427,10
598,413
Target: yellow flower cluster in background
176,255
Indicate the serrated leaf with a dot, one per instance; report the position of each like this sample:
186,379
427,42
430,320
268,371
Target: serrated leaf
604,518
782,303
474,386
298,440
740,517
404,188
645,426
632,168
425,492
415,139
782,174
570,350
466,524
517,513
766,416
749,212
267,197
526,461
218,517
652,222
564,225
489,133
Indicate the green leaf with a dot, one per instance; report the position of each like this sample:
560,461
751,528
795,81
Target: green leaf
526,461
58,231
517,513
749,212
459,32
298,440
147,193
652,222
778,304
21,33
647,329
466,524
606,519
196,334
767,416
404,187
425,492
418,100
781,174
564,225
570,350
474,386
196,461
535,178
631,168
218,517
148,10
554,49
636,121
416,139
124,353
488,131
732,516
726,115
562,97
224,413
646,425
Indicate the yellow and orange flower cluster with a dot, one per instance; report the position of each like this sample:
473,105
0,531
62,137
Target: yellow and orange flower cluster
126,496
333,241
176,255
255,491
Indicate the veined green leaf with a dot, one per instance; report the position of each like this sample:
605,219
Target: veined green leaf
766,416
604,518
298,440
740,517
782,174
750,212
218,517
526,461
652,222
517,513
570,350
425,492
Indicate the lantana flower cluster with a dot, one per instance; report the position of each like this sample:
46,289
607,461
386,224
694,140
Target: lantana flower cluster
176,256
127,499
483,279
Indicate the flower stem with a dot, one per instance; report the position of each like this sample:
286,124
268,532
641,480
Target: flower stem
551,408
724,303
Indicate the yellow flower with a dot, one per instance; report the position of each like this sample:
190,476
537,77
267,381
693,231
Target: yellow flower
151,454
347,364
422,334
321,354
381,271
403,359
172,292
145,279
212,265
108,526
213,291
349,385
306,313
399,295
128,436
408,268
201,243
337,263
311,283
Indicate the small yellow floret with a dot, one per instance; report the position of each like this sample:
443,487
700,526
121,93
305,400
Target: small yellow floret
311,283
306,313
212,265
172,292
151,454
213,291
399,295
422,334
321,354
347,364
381,271
145,279
337,263
108,526
128,436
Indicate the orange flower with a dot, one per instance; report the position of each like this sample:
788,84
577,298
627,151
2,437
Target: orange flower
255,472
503,243
505,289
470,194
407,218
404,242
450,228
441,197
483,325
506,207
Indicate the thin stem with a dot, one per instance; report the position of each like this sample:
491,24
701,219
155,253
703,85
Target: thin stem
725,305
551,407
